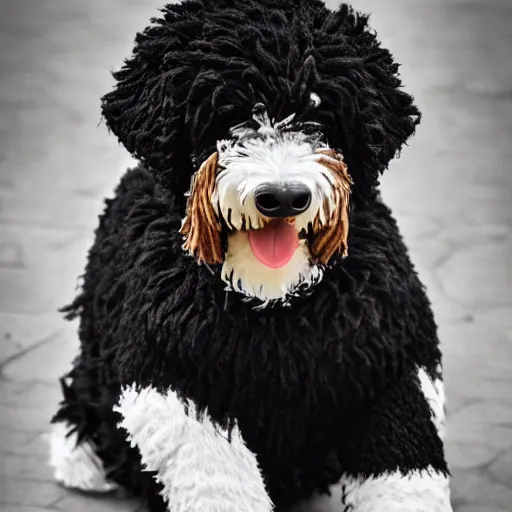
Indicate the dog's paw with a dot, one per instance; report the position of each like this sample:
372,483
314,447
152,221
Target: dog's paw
76,466
200,469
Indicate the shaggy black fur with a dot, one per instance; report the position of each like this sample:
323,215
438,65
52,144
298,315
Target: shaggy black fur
320,388
201,68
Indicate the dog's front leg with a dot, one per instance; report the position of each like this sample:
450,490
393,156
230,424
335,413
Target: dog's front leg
393,452
199,468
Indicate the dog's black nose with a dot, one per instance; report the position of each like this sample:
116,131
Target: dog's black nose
278,201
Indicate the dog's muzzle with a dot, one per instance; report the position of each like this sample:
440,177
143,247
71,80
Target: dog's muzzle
275,244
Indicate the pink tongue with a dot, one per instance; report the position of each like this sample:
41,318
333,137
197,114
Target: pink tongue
275,244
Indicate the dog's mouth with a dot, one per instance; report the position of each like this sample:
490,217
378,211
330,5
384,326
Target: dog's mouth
275,243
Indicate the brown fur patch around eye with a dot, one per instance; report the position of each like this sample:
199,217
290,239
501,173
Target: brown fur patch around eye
333,236
201,227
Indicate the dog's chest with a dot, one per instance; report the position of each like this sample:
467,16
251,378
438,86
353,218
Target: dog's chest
288,423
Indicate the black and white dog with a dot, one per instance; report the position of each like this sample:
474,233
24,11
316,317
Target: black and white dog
252,330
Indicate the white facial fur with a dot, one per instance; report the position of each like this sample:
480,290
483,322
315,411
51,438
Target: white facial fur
245,274
271,154
287,158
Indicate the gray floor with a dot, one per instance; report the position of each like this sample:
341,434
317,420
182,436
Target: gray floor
451,192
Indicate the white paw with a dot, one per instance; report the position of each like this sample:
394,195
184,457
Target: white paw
76,467
199,468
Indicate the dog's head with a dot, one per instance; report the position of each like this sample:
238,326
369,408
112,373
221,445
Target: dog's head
281,197
272,118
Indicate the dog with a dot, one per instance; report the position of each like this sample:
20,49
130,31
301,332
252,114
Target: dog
253,332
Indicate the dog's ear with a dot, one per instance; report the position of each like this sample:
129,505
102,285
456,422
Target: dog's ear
365,111
201,227
332,236
147,108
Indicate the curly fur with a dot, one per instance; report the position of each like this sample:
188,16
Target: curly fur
302,382
201,67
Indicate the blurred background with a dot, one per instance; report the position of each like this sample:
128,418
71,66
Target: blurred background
451,192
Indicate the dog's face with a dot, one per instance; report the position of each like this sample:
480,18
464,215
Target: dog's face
271,205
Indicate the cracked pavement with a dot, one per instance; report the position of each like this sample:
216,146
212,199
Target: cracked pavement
451,192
